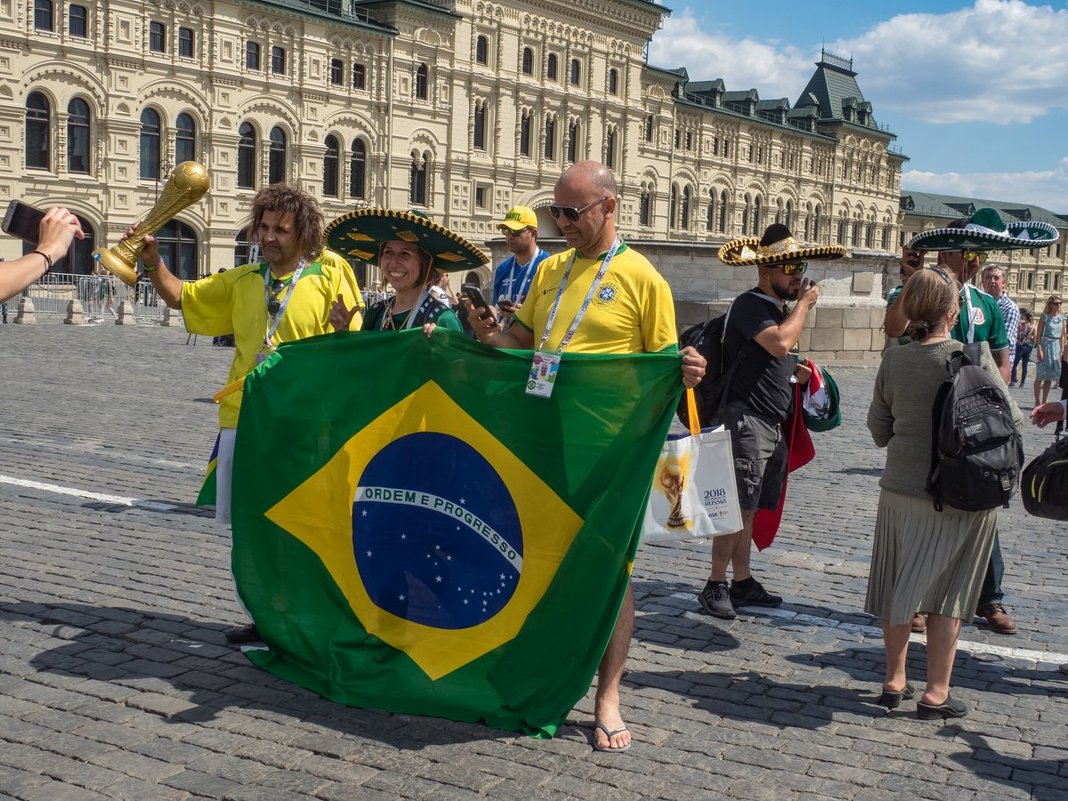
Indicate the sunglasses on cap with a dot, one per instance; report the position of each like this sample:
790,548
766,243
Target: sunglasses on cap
973,255
571,212
797,268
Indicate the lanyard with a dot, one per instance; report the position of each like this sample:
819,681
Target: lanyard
512,295
285,300
585,304
971,315
387,318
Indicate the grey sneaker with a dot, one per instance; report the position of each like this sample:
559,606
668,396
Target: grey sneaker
715,600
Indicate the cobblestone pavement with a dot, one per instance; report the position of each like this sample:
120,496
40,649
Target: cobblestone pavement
116,682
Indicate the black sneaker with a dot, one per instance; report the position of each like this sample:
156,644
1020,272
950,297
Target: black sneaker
243,635
715,600
752,593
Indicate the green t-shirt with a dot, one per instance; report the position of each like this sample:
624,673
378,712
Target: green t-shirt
987,322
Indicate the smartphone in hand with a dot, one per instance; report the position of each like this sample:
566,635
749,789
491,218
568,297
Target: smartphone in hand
24,221
477,299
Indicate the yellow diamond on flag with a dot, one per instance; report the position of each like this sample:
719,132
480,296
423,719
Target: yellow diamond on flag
441,540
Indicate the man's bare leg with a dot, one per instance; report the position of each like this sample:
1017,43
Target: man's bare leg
733,549
609,675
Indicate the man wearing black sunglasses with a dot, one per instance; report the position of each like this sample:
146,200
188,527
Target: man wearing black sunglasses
609,299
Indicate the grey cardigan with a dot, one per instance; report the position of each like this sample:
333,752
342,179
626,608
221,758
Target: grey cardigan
900,414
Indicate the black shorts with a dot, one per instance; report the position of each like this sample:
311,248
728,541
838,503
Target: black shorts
759,457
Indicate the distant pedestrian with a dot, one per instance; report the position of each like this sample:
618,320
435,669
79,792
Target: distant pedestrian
1049,345
1025,343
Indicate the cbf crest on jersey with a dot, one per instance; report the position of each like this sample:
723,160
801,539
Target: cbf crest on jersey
413,532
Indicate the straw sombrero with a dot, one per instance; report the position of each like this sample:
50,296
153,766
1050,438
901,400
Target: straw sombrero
777,246
985,230
360,234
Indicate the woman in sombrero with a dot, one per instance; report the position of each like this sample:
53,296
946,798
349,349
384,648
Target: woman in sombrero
409,249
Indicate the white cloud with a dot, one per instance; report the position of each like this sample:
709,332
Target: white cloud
1046,188
1001,61
773,70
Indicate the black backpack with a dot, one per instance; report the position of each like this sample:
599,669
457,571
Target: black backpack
1045,483
976,451
707,338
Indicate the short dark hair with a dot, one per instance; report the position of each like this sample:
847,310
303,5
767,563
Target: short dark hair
307,216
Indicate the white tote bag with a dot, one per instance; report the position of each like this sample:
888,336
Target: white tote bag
693,492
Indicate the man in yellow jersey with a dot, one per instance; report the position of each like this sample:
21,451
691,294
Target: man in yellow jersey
630,311
284,297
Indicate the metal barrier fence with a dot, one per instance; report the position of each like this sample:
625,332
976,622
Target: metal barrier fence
100,296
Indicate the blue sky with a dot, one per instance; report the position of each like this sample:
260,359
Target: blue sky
976,92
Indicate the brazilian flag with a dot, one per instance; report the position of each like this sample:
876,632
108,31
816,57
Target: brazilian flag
413,532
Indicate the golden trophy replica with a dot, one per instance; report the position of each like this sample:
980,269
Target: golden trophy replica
186,186
673,482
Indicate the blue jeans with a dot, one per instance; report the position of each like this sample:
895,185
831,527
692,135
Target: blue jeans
1023,354
991,592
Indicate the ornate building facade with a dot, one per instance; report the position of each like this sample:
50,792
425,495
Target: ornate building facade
462,108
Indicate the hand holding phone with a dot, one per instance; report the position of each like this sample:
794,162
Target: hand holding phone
477,300
24,221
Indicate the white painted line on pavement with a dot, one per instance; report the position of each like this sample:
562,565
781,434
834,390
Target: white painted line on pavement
876,633
87,495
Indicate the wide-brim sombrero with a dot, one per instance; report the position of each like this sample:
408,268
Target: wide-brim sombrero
986,231
748,251
359,235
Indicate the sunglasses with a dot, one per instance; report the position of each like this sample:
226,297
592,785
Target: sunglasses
275,304
571,212
508,232
794,269
976,255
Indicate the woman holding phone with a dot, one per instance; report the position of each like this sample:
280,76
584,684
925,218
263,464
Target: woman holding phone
408,249
52,236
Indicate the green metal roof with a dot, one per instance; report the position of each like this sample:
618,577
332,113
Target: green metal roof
340,11
925,204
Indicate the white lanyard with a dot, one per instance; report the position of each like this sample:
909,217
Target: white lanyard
971,315
411,312
285,301
512,295
585,303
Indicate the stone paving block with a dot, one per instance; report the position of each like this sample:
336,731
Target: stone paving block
201,784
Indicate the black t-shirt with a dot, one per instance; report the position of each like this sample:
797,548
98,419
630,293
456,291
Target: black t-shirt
761,381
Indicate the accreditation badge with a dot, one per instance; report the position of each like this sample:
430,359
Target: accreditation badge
543,370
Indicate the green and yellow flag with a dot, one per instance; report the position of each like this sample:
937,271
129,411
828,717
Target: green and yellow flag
413,532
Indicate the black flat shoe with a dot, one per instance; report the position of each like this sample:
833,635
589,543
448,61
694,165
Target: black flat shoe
950,708
893,700
245,634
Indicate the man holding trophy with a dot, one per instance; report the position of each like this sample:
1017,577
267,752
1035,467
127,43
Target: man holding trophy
285,297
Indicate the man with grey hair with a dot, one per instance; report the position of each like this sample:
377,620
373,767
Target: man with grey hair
994,285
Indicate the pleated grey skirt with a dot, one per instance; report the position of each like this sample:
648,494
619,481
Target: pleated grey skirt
927,561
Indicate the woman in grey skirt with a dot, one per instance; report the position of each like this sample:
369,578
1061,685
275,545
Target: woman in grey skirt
923,560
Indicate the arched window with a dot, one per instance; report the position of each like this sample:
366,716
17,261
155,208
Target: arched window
610,149
525,134
38,131
78,136
178,249
482,50
550,137
650,122
673,207
337,71
551,67
528,61
331,162
78,21
252,56
150,145
747,214
710,221
758,215
613,81
358,169
807,235
185,138
788,215
576,70
817,213
684,212
421,82
359,76
276,164
246,156
572,142
43,15
887,231
645,208
722,222
278,60
479,126
417,193
242,249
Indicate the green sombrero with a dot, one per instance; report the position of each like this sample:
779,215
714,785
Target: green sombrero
777,246
359,235
985,230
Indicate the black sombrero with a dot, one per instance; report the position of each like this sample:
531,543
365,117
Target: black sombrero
360,234
777,246
986,230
